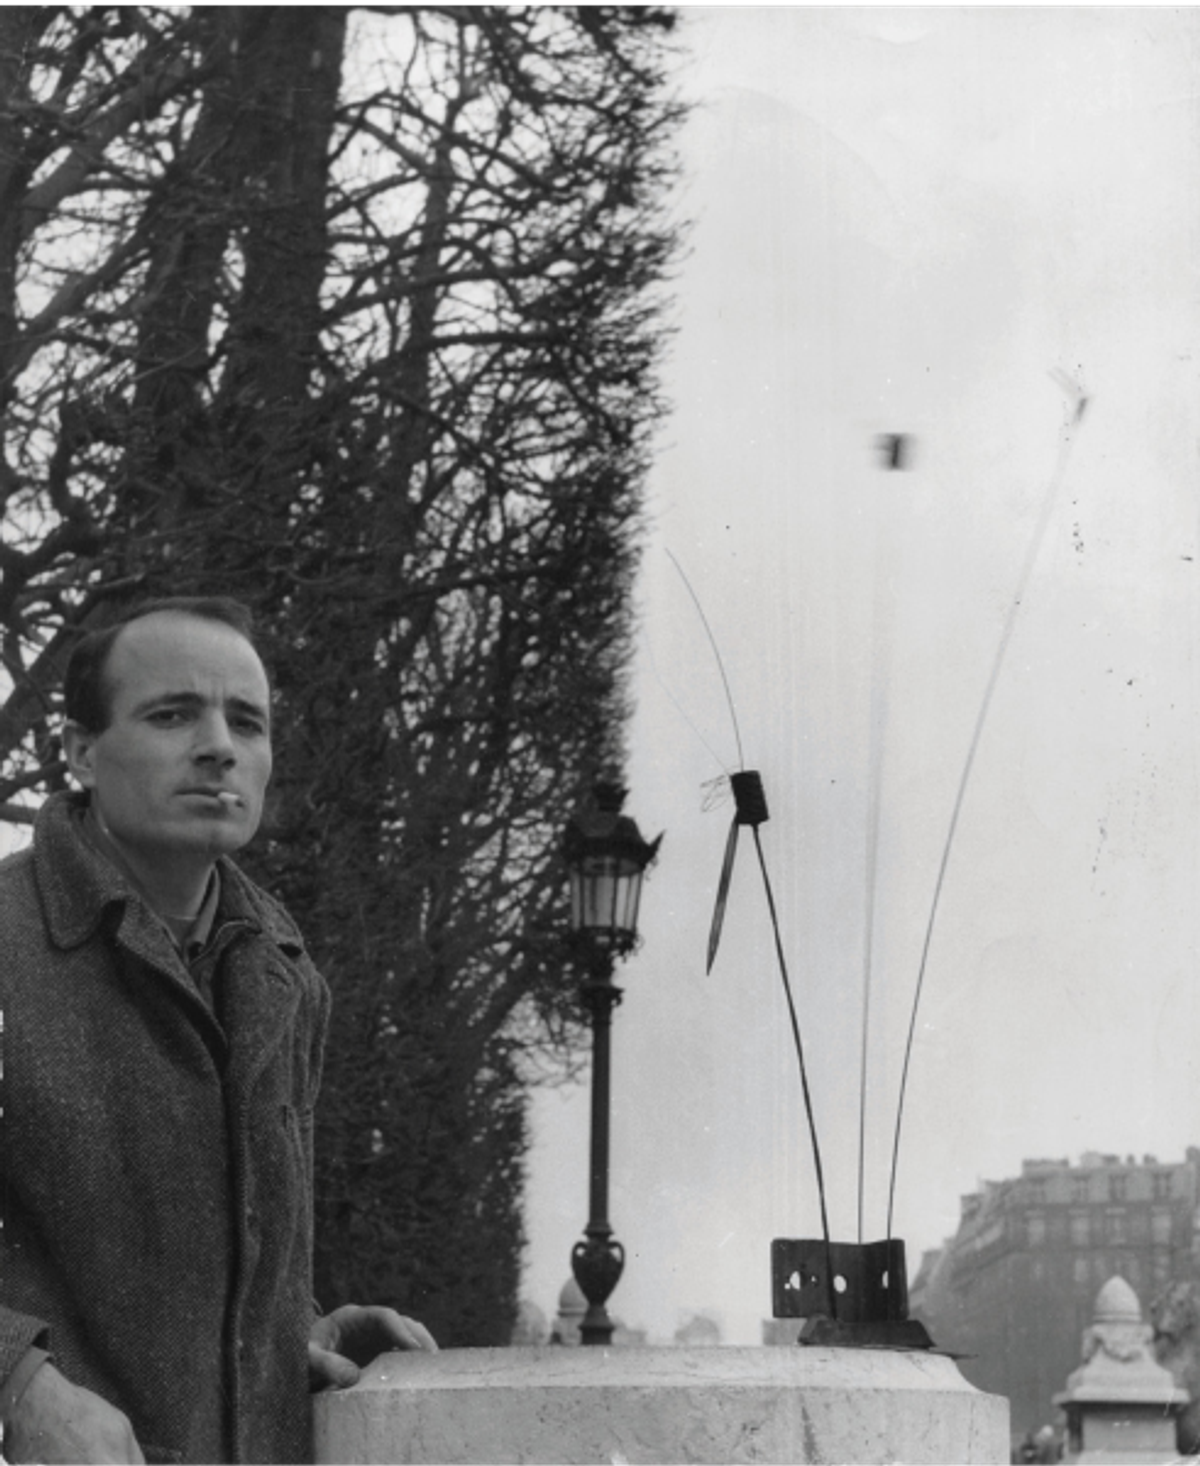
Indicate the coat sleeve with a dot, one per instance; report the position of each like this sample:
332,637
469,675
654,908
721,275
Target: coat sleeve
320,1028
23,1345
19,1332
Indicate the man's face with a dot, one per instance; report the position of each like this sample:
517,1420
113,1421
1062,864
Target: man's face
182,767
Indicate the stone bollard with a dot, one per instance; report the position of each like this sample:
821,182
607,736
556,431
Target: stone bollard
795,1404
1120,1403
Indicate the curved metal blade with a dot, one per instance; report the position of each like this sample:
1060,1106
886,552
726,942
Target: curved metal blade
718,919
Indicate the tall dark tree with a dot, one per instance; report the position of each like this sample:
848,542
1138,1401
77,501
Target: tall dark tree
356,316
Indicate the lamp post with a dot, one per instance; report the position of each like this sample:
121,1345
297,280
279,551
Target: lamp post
607,858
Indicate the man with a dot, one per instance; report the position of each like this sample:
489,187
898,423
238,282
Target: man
162,1030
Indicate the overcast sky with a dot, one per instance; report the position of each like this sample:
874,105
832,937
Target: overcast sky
917,221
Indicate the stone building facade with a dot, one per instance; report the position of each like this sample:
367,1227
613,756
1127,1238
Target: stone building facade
1014,1288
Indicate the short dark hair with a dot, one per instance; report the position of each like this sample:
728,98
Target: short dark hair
87,695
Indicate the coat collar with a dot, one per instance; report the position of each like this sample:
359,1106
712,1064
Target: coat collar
78,886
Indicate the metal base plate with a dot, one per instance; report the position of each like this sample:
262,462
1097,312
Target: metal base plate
901,1333
845,1282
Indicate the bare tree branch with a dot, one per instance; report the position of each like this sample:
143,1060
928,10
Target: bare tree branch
375,349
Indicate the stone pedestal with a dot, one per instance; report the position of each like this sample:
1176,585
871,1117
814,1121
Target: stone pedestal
769,1404
1121,1403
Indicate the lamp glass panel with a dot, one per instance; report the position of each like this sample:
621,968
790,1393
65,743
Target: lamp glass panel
605,894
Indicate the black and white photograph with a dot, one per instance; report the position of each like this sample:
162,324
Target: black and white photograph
599,733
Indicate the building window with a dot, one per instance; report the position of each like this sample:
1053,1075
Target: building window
1035,1229
1081,1232
1118,1187
1080,1189
1118,1228
1160,1226
1162,1185
1082,1270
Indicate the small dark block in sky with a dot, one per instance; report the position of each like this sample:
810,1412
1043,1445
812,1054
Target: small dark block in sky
895,449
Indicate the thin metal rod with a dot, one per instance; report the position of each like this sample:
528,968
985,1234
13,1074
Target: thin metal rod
878,715
808,1106
868,970
712,641
678,706
1031,556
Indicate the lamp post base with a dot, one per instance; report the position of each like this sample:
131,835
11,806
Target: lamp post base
597,1263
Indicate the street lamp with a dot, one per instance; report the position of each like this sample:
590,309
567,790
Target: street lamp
607,858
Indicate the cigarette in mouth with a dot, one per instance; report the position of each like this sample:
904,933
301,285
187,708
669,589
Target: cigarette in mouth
227,798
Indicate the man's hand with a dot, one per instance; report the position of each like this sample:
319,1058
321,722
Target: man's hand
57,1423
346,1340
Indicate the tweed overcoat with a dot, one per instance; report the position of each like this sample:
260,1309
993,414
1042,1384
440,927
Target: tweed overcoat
156,1166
